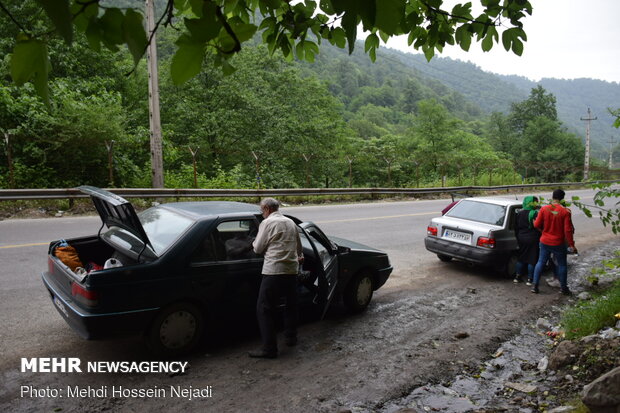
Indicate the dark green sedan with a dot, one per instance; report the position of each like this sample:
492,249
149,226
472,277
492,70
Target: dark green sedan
174,269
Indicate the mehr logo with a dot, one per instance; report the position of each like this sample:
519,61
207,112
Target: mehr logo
51,365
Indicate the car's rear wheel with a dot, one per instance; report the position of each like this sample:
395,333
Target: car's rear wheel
358,292
444,258
510,267
176,329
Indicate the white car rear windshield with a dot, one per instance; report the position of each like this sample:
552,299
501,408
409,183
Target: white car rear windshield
479,212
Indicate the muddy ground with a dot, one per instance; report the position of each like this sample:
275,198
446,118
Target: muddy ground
429,326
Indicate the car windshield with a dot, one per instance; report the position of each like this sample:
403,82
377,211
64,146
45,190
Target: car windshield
162,227
479,211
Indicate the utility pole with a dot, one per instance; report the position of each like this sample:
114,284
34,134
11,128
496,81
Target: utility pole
307,159
611,151
257,162
9,158
350,160
194,152
157,163
110,147
586,162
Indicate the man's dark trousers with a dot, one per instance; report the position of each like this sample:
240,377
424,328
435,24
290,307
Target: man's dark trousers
273,289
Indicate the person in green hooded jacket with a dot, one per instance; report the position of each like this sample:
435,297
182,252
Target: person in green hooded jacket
528,238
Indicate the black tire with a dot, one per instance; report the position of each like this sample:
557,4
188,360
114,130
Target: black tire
176,329
358,292
509,268
444,258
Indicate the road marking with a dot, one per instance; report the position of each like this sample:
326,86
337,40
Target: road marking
373,218
25,245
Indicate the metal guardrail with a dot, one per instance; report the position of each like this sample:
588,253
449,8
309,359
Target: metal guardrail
72,193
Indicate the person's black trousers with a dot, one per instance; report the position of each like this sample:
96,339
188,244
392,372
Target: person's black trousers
273,289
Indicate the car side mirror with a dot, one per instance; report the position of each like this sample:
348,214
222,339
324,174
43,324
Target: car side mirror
343,250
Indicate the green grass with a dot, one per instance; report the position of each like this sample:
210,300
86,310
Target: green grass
589,317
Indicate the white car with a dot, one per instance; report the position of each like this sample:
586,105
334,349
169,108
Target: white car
479,231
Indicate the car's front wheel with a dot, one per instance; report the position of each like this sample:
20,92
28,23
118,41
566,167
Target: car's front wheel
358,292
176,329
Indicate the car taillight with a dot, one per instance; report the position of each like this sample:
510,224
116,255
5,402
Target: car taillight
84,296
486,242
50,265
431,231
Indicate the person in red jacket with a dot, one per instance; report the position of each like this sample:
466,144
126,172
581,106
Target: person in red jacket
556,225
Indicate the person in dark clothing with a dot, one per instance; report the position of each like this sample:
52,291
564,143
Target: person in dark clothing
528,239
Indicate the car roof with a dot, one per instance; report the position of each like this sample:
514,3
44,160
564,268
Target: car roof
205,209
495,200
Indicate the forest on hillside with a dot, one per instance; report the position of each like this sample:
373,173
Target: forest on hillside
340,121
495,93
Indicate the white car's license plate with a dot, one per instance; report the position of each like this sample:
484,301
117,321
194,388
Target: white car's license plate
457,236
61,306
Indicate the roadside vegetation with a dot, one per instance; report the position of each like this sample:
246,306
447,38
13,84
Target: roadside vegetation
603,310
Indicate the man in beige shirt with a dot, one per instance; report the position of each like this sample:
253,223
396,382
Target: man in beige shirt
278,240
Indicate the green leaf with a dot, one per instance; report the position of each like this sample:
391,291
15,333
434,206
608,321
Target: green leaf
59,13
507,39
134,34
429,52
227,68
373,54
384,36
93,35
487,42
311,49
326,6
197,7
273,4
349,24
25,60
389,15
517,47
299,50
372,42
30,61
339,37
243,31
463,37
186,62
111,24
83,16
204,29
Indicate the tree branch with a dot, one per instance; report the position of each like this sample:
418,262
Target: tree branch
8,13
229,30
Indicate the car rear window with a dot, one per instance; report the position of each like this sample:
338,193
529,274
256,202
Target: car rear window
479,212
163,227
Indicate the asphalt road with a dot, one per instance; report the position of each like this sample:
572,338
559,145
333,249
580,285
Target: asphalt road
32,328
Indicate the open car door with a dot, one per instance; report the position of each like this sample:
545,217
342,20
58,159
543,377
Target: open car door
327,264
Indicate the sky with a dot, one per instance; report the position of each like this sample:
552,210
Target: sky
566,39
